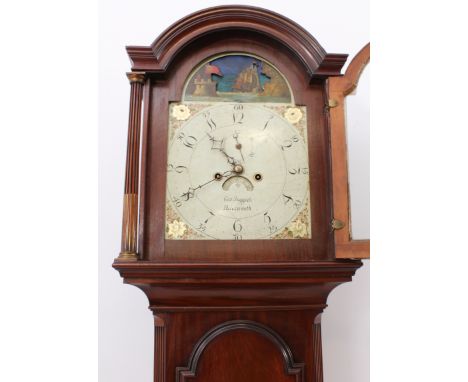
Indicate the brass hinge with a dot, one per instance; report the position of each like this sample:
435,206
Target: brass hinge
331,103
337,224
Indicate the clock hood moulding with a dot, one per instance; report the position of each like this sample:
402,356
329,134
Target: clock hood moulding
157,57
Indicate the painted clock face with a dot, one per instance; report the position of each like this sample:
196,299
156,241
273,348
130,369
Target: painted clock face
237,172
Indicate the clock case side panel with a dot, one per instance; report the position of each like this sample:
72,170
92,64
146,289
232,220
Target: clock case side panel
167,87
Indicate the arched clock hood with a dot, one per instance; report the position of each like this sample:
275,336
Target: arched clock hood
157,57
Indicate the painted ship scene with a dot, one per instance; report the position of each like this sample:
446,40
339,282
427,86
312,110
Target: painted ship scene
238,78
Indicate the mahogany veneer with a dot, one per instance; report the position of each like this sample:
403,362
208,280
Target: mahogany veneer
238,322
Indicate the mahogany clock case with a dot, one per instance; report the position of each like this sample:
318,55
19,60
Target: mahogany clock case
233,310
161,89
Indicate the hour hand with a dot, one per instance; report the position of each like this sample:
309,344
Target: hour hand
219,145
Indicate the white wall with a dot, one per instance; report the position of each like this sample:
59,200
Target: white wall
125,323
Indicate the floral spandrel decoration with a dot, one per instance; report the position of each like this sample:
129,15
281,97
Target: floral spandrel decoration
298,229
171,217
176,229
180,112
293,115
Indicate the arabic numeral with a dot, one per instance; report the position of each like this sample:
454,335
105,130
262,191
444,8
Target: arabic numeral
238,115
176,201
189,194
289,200
286,199
272,228
188,140
298,171
209,217
266,218
287,143
177,169
297,203
237,226
209,121
267,122
202,226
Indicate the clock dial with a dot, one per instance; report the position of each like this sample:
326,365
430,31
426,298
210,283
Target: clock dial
237,172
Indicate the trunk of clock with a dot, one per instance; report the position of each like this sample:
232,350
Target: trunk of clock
237,322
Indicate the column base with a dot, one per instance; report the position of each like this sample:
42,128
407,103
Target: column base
127,256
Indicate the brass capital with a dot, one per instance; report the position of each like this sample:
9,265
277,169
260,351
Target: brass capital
136,77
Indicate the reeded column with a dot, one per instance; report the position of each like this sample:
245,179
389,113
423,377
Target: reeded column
130,203
317,349
159,348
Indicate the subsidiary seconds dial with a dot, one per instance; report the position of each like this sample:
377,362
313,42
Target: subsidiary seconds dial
237,171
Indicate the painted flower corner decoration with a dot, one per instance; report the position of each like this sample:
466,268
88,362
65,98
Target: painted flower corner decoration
176,229
298,229
293,115
180,112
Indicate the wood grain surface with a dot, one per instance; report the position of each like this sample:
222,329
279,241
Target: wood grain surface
339,88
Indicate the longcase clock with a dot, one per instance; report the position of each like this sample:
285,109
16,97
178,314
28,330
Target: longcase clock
229,225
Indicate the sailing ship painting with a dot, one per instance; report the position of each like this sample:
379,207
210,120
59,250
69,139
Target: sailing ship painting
239,78
248,81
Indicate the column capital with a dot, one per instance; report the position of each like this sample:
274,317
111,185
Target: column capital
136,77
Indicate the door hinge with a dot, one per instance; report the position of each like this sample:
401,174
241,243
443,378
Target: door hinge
331,103
337,224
